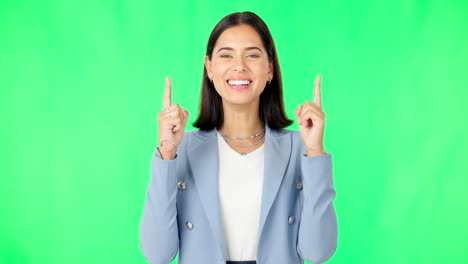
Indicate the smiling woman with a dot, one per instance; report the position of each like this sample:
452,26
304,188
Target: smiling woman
241,47
242,188
240,71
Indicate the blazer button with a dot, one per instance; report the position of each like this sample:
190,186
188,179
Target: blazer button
181,185
189,225
291,220
299,186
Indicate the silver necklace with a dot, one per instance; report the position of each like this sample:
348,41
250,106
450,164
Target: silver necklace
239,145
242,138
243,153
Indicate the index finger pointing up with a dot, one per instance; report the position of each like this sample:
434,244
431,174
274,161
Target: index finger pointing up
317,94
167,93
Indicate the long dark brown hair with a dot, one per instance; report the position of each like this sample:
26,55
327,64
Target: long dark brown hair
271,100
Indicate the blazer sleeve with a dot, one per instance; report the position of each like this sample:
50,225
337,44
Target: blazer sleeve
159,234
318,234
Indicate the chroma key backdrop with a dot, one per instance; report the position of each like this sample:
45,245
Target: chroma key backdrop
82,82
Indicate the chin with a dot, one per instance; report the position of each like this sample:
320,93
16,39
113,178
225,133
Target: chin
241,101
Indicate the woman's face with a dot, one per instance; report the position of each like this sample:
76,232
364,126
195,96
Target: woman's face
239,65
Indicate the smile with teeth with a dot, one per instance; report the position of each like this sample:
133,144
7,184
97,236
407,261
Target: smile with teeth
239,82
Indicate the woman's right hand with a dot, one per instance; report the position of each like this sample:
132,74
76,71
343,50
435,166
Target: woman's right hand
171,125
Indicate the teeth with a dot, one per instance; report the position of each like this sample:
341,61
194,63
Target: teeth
238,82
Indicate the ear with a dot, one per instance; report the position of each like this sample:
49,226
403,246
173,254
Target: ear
270,70
208,67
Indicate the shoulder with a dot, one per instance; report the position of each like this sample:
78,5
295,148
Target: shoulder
192,137
296,140
197,135
286,132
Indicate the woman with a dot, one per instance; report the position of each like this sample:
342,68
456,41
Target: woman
241,189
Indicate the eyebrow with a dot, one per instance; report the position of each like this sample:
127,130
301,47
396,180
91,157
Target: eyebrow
248,48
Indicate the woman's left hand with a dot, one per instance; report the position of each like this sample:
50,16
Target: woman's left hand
311,120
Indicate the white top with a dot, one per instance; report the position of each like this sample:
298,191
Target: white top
240,193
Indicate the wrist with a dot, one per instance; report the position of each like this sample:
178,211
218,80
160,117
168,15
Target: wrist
167,149
315,152
167,154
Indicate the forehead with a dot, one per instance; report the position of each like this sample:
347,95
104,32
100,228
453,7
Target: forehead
238,37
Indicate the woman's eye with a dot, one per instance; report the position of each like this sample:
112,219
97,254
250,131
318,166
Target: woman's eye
253,56
225,56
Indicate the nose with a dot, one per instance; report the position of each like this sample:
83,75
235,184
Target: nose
239,64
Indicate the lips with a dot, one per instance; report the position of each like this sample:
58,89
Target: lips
239,84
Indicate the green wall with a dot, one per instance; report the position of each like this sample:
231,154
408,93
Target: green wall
81,83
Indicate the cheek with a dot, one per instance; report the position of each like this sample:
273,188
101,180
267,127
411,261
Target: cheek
261,68
219,67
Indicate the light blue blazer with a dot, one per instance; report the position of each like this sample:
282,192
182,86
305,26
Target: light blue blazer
182,209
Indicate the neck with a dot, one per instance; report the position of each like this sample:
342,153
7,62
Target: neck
241,120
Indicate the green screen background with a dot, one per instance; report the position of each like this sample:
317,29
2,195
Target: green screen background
81,84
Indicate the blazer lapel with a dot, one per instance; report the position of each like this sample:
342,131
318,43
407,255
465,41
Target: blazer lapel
203,158
277,155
